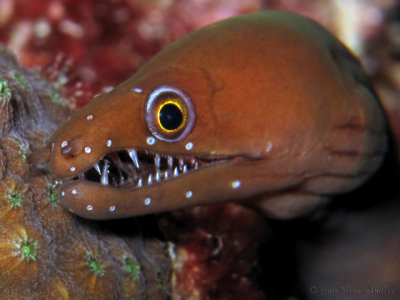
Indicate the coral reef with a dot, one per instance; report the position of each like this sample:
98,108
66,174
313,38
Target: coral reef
46,252
102,42
215,251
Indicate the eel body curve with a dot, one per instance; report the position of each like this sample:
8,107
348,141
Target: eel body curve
268,108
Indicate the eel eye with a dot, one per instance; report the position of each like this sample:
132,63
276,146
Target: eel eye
169,114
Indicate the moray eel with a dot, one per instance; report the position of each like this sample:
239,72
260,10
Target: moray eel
268,109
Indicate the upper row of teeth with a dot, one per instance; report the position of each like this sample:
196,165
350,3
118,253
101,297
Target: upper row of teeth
157,161
182,168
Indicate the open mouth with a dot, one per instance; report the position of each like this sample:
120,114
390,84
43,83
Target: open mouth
138,168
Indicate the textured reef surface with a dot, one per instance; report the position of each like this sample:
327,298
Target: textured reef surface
102,43
46,252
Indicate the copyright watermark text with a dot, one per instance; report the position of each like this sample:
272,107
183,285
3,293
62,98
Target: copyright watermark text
349,290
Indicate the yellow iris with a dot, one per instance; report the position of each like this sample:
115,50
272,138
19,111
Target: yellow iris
181,109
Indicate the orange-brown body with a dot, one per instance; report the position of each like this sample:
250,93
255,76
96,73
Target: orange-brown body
283,119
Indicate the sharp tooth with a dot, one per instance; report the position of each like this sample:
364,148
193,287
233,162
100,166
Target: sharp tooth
150,179
196,165
104,176
192,162
184,168
140,183
97,168
176,172
157,162
166,175
133,155
158,176
82,176
181,163
170,162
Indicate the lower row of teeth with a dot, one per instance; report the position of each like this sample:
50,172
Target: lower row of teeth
172,171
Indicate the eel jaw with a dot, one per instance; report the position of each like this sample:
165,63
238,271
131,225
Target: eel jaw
137,168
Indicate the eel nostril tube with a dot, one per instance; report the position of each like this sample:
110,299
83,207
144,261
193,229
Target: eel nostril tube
73,148
43,155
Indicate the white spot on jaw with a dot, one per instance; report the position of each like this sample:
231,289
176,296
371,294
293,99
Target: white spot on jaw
88,150
72,169
64,144
89,117
112,208
109,143
74,192
189,194
151,140
269,147
236,184
137,90
147,201
89,207
189,146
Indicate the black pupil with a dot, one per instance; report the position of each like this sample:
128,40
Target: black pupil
170,116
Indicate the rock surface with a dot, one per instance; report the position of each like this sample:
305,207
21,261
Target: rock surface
46,252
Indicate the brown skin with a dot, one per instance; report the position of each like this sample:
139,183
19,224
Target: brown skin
274,92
